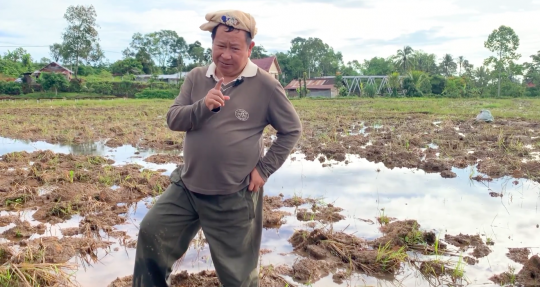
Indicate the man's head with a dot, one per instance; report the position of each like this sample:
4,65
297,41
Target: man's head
232,40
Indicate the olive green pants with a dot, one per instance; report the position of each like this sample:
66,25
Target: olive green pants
232,225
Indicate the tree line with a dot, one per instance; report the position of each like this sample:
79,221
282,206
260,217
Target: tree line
166,52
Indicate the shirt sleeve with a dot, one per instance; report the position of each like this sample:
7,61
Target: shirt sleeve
283,118
184,115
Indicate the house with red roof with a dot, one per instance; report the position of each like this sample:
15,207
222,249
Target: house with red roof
317,87
269,64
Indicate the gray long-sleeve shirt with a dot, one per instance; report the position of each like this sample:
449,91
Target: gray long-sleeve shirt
222,148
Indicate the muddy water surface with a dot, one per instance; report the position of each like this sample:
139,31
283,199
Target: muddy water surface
365,190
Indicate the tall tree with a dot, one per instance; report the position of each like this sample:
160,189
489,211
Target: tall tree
80,39
56,51
461,59
532,68
403,58
448,65
165,45
258,52
311,52
16,55
377,66
482,78
504,42
423,61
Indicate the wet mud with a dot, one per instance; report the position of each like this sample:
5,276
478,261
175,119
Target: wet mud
57,187
466,242
268,277
518,255
529,275
411,140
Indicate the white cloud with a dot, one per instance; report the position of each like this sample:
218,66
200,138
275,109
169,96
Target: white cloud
359,29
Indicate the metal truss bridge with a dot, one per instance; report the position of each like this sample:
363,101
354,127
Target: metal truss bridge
353,83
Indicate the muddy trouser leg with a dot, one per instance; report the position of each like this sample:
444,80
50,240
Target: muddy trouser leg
164,236
232,225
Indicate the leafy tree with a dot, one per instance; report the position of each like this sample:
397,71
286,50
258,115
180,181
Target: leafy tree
422,61
258,52
377,66
532,75
482,79
394,83
127,66
16,55
504,42
10,68
353,68
438,83
417,84
80,39
57,52
53,81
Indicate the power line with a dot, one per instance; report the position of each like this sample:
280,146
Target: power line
22,46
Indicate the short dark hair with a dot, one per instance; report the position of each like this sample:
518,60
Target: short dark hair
229,29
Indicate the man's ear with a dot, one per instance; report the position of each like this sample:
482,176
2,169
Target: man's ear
250,48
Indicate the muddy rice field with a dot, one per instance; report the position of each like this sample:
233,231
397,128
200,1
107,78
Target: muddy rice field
377,192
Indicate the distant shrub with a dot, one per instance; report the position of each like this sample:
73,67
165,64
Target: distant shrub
10,88
370,90
75,85
157,94
123,88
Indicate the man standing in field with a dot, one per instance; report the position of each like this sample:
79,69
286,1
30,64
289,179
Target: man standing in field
223,109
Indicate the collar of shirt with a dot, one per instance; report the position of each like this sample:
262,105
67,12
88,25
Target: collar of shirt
250,70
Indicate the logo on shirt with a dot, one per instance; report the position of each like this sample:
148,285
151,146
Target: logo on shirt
241,114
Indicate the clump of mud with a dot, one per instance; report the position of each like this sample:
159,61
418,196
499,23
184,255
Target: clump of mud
297,201
54,250
405,233
269,277
465,242
273,218
519,255
529,275
322,213
343,250
308,270
164,158
23,230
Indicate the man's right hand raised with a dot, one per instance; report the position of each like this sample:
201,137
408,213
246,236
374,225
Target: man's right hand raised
215,99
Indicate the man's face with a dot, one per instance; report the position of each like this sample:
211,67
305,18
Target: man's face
230,51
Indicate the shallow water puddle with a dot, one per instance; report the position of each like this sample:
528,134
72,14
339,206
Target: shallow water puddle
363,189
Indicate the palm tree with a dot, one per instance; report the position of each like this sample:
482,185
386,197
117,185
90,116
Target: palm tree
418,79
482,75
448,65
403,58
461,59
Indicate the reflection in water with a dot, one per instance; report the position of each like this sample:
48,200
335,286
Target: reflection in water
87,149
446,206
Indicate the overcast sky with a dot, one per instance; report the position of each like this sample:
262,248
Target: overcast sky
360,29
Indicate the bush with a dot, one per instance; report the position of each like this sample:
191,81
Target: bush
343,92
157,94
455,88
438,83
75,85
53,82
10,88
123,88
104,88
370,90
